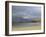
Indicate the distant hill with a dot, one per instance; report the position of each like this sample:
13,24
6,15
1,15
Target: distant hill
26,19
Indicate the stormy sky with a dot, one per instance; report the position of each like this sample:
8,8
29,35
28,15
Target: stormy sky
26,11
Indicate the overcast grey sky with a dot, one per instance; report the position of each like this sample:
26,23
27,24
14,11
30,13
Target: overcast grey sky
26,11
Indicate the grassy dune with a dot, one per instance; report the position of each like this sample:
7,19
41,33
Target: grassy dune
26,28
